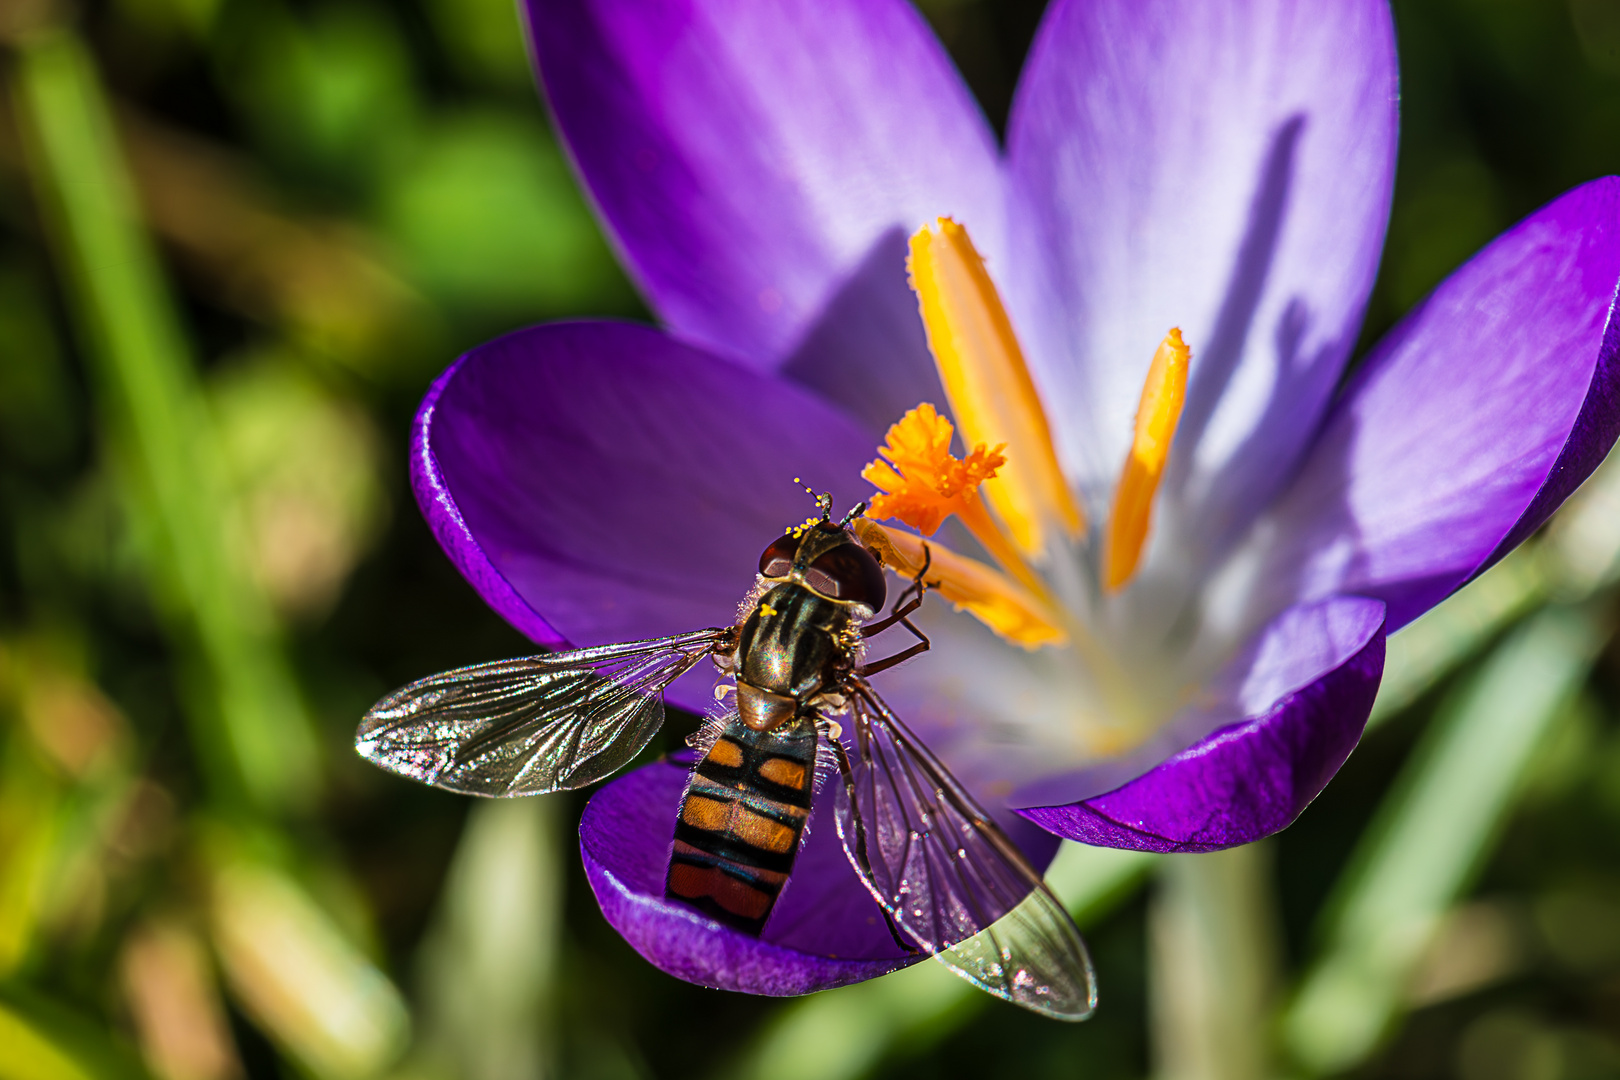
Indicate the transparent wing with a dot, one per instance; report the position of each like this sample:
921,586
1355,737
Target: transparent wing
948,876
537,724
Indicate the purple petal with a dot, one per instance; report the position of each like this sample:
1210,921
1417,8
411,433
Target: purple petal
761,166
1469,424
826,930
601,482
1225,168
1282,718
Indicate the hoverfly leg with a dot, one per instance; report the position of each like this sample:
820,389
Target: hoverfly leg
900,612
856,845
902,608
922,646
899,938
902,605
917,582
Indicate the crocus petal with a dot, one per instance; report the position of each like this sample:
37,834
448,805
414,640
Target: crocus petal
1283,716
761,166
1470,423
826,930
601,482
1225,168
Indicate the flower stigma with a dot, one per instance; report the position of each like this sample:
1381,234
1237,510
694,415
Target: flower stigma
920,483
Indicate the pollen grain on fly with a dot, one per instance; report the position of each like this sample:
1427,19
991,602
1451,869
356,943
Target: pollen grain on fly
1163,395
823,503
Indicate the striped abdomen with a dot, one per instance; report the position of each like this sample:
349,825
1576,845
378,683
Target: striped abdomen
744,811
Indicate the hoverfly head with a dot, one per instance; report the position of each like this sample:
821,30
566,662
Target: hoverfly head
825,556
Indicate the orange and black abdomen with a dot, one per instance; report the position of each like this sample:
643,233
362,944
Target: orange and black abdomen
745,808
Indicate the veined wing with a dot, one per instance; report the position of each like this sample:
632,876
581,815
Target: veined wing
948,876
532,725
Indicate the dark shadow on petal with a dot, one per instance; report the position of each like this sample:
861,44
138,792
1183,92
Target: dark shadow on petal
1224,513
866,351
1214,364
1469,422
1226,521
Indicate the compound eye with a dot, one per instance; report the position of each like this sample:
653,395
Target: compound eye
777,560
850,573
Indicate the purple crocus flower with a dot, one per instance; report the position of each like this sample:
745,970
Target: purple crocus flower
1222,168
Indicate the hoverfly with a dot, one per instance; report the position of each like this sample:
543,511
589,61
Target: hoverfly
951,883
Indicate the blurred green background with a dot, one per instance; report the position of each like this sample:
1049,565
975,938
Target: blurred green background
237,240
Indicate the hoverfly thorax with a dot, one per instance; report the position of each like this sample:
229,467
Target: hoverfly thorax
801,635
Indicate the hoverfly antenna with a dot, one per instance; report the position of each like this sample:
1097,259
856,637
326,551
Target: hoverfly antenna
854,512
824,500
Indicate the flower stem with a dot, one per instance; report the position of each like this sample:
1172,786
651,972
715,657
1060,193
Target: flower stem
1432,832
490,961
1212,966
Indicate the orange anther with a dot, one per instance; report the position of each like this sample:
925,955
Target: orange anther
1163,395
989,387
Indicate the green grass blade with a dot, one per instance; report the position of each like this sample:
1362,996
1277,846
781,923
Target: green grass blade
1446,635
40,1039
31,1056
1431,833
249,724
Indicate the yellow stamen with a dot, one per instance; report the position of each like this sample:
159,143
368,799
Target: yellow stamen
989,387
1156,417
922,485
992,597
